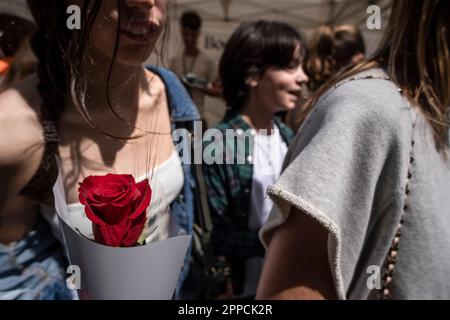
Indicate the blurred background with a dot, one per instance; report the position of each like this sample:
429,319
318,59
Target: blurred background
222,17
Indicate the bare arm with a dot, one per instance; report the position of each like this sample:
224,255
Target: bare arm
18,214
296,264
21,149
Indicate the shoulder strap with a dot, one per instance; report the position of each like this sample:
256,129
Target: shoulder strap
204,226
204,214
391,259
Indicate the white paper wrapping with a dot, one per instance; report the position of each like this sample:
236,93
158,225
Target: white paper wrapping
147,272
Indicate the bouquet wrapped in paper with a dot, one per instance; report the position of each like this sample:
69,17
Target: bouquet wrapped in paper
107,245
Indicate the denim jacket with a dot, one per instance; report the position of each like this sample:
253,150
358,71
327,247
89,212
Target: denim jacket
183,114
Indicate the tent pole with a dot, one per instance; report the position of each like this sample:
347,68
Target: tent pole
226,4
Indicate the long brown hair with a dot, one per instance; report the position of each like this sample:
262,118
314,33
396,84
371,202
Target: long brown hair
62,52
415,53
330,49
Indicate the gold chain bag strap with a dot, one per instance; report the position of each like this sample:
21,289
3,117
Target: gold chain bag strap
391,259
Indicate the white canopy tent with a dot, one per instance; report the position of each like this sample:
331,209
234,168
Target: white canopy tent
222,17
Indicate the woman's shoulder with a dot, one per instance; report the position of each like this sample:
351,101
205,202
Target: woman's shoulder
20,128
364,113
369,97
168,79
180,103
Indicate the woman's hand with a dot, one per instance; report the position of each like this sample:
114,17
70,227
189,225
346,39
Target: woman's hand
296,265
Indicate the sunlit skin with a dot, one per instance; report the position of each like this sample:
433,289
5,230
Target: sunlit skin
305,272
135,93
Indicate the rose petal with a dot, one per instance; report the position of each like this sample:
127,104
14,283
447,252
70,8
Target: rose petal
125,199
88,183
116,205
134,231
146,193
108,235
108,192
137,194
93,216
85,192
112,214
122,179
93,181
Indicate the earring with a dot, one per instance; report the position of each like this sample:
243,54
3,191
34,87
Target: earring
251,83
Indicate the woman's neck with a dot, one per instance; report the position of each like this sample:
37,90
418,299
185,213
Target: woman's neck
123,83
122,90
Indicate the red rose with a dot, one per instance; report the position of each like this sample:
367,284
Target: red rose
116,205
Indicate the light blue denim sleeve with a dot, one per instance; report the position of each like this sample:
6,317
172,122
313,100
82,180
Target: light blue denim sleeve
34,268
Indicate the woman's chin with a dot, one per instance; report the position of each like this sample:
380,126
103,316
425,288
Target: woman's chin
124,56
288,107
132,63
134,55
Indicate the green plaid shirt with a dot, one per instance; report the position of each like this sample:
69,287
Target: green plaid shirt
229,189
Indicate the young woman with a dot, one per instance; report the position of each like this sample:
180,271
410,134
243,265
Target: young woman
261,74
93,108
362,207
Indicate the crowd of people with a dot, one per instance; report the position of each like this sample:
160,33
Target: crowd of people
338,162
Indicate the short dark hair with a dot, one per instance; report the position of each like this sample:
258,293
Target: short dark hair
252,49
191,20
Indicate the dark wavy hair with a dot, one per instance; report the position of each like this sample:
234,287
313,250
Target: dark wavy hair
61,53
252,49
